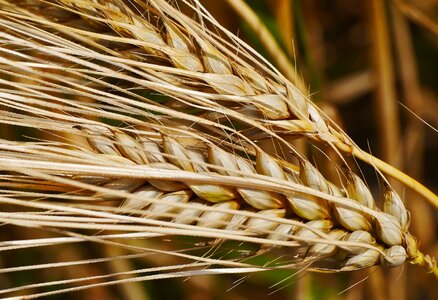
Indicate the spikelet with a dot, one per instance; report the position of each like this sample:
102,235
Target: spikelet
394,206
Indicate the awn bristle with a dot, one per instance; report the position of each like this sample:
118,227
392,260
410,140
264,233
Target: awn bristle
184,155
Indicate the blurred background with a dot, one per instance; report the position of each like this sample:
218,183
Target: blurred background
372,66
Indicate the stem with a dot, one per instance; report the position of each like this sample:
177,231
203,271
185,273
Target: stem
391,171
